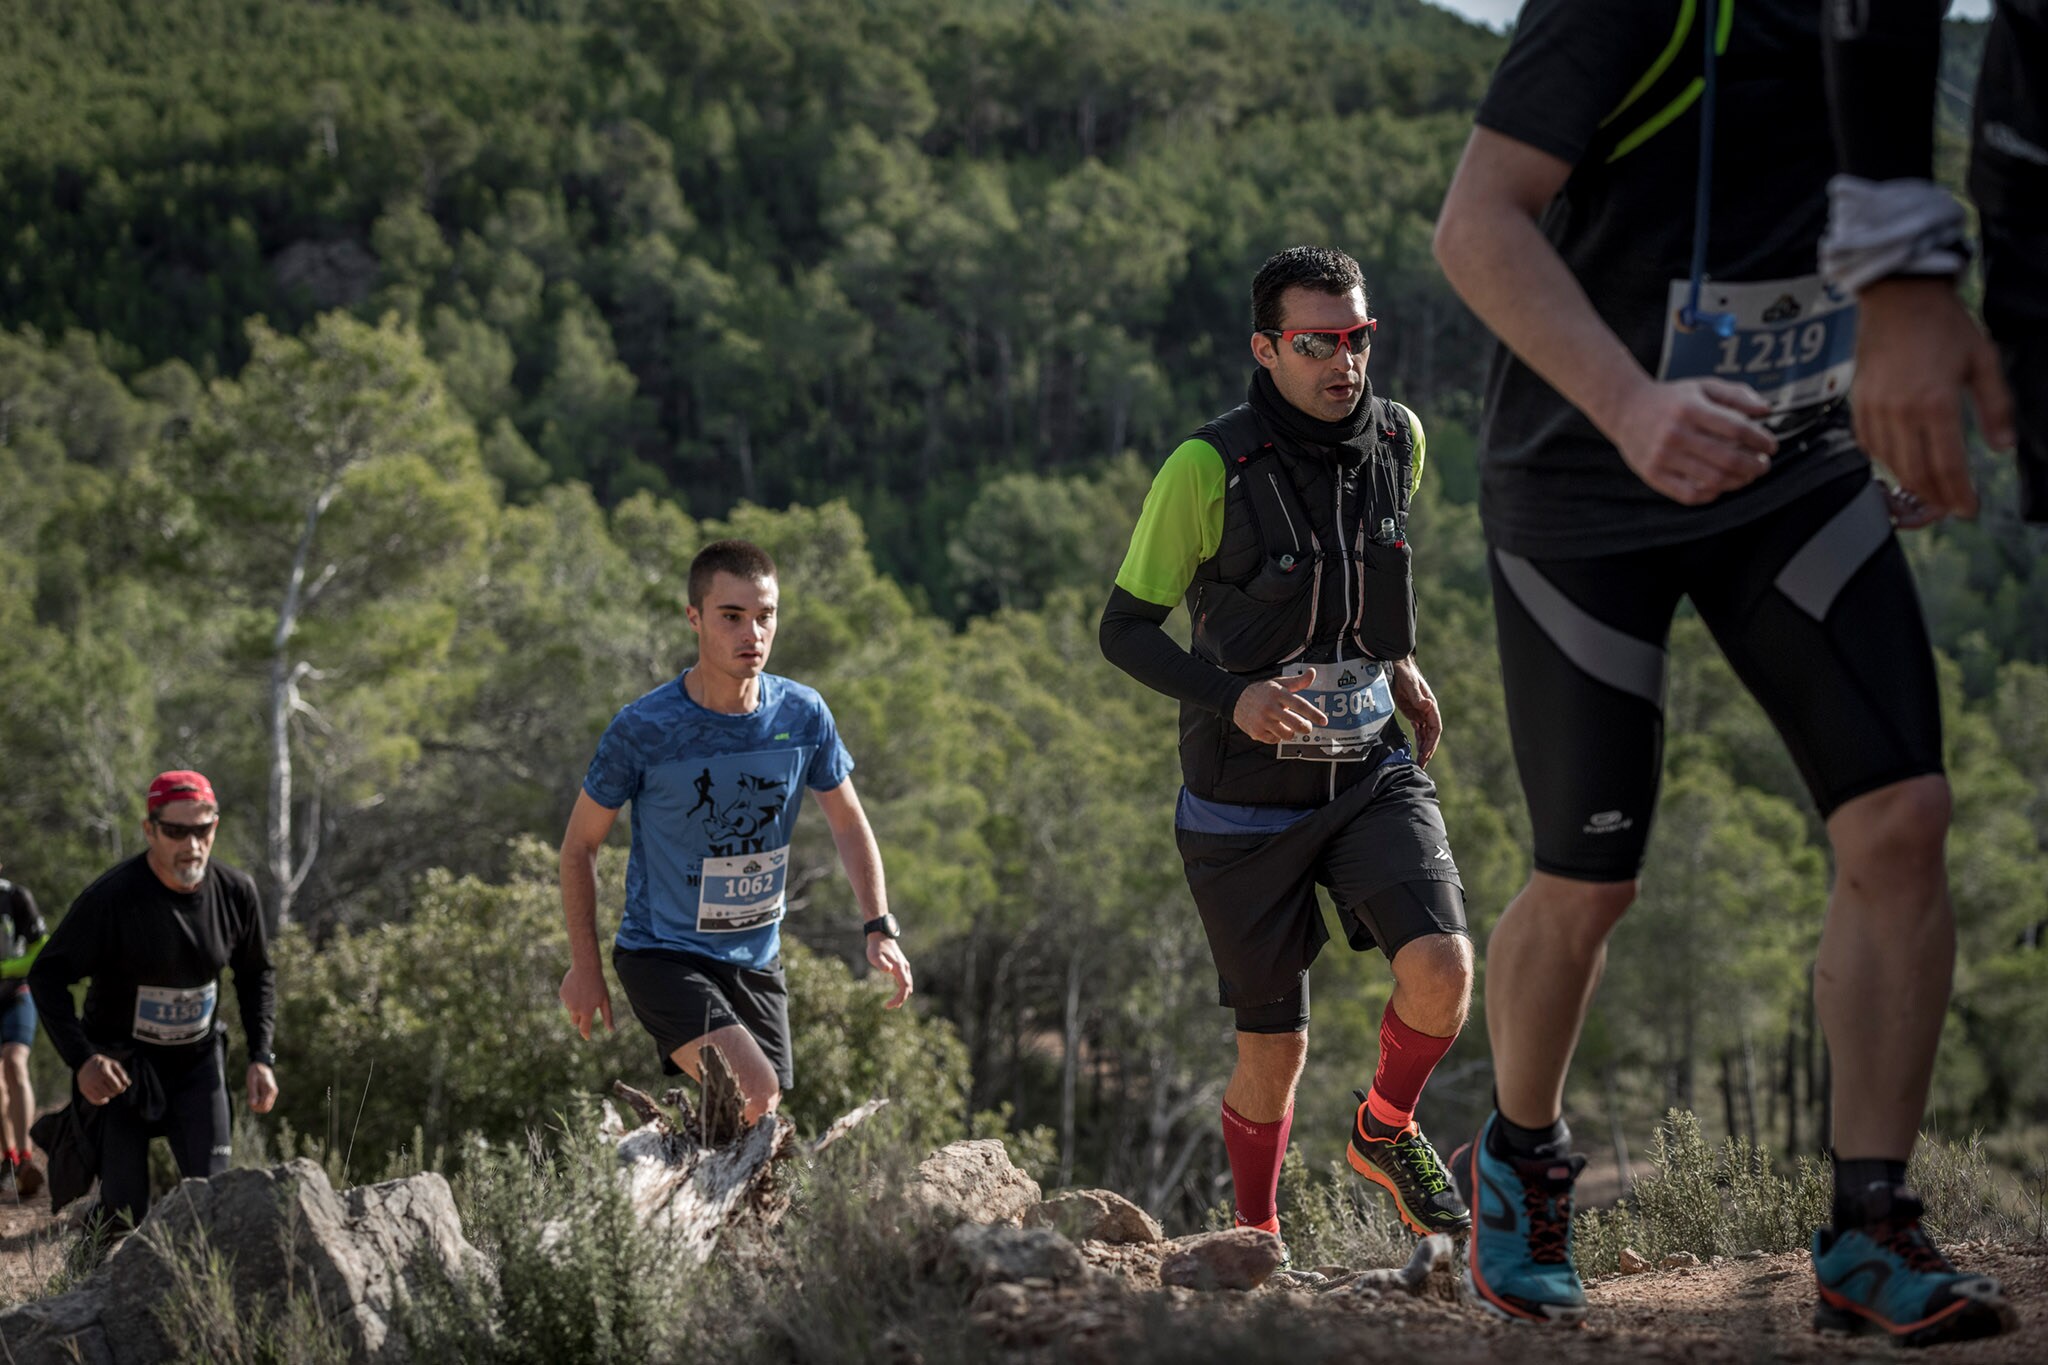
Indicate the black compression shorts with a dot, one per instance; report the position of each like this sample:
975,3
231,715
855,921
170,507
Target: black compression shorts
1815,609
679,997
1257,892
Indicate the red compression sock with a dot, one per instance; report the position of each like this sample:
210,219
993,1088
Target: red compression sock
1406,1059
1256,1151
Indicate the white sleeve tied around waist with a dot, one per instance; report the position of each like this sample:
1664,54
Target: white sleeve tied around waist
1878,228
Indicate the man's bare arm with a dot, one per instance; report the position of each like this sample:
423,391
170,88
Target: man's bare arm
1691,440
862,858
584,992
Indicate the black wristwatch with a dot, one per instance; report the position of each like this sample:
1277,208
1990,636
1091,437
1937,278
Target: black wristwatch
885,925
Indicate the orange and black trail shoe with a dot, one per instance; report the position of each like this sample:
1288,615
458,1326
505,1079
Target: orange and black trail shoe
1408,1168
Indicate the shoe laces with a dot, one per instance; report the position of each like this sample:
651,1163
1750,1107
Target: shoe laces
1548,1205
1908,1241
1412,1149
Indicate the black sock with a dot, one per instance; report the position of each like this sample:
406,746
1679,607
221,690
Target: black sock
1866,1190
1507,1139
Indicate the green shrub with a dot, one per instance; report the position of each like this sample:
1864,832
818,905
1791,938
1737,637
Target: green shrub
575,1276
847,1276
397,1040
1337,1219
200,1317
1710,1201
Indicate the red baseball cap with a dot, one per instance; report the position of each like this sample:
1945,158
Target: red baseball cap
182,785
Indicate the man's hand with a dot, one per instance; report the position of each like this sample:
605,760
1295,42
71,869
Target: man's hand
586,996
1270,712
1917,352
1694,439
101,1078
885,954
1417,705
262,1088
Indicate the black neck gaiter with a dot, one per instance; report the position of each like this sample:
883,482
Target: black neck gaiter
1353,434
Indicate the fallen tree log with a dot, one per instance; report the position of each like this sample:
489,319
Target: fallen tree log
695,1171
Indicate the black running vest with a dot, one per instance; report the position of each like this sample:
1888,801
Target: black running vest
1313,564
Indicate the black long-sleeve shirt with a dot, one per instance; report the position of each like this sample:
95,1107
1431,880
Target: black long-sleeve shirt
1132,638
152,958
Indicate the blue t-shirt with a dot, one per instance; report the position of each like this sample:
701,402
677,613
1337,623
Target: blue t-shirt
715,798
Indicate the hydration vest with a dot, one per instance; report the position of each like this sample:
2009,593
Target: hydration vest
1313,565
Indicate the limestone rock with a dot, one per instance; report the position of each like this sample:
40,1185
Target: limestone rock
354,1254
984,1254
1241,1258
975,1181
1632,1262
1094,1216
1001,1301
1431,1273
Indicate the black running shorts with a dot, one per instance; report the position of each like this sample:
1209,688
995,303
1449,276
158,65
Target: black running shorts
1257,892
1815,609
679,997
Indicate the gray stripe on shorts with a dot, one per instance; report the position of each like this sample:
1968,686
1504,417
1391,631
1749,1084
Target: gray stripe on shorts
1611,656
1815,576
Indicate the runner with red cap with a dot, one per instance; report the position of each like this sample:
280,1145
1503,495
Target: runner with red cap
150,938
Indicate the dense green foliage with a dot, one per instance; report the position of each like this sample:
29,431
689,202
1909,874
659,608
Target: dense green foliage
476,320
718,249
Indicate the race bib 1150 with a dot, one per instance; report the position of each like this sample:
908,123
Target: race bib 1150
168,1014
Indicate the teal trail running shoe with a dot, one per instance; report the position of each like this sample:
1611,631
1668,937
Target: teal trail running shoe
1519,1262
1889,1278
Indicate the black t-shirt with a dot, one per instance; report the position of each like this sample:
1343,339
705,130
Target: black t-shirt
1604,85
152,957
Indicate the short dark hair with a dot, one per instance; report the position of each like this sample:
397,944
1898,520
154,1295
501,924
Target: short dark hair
1323,269
740,558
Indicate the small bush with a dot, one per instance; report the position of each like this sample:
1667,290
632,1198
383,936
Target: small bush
1706,1200
1337,1219
404,1037
1968,1198
201,1319
576,1276
847,1276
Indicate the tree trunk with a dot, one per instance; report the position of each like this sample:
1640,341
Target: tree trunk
285,878
1749,1087
1004,398
743,455
1687,1049
1617,1136
1069,1061
1792,1152
1728,1094
933,443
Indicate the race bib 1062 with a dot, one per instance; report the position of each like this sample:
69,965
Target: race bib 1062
1793,341
168,1014
744,891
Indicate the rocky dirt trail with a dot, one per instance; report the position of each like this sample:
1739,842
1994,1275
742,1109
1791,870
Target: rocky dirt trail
31,1246
1125,1293
1750,1310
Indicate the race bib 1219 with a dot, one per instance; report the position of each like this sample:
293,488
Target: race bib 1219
1793,341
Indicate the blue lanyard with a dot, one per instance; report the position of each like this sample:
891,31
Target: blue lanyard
1691,317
